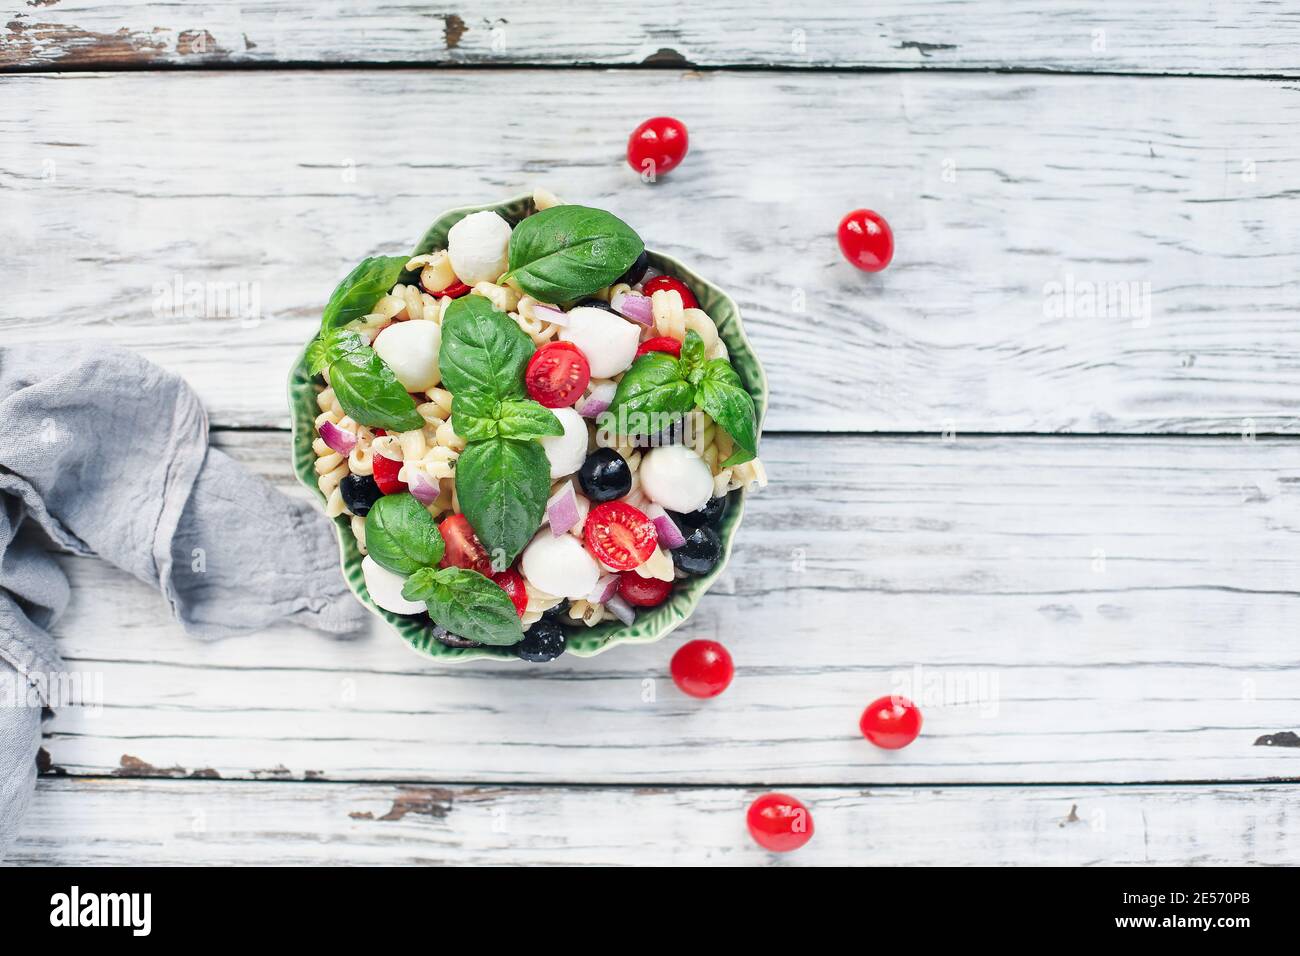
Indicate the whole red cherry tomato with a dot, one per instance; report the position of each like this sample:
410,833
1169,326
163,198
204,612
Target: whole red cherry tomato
702,668
512,582
866,240
657,146
780,823
675,285
891,722
660,343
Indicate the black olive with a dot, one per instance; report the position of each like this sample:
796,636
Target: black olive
593,303
636,271
558,614
544,641
700,553
359,493
711,514
605,475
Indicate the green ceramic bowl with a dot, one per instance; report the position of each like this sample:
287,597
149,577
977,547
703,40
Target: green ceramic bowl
582,641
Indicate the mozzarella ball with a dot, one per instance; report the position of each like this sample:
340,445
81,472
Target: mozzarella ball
607,339
676,478
559,566
479,247
385,588
410,349
566,452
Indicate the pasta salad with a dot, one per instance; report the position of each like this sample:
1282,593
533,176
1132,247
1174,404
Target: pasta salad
529,430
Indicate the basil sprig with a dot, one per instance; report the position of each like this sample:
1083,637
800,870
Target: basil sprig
357,294
566,252
402,536
467,604
503,477
371,394
658,386
328,347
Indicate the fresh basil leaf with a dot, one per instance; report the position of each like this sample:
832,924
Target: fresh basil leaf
371,394
651,396
482,350
693,350
328,347
467,604
524,418
721,394
474,416
401,535
357,294
502,485
566,252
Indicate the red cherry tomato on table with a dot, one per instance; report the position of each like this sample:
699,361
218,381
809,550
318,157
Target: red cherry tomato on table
512,582
660,343
780,823
385,472
891,722
657,146
866,240
643,592
557,374
702,668
668,283
464,550
619,536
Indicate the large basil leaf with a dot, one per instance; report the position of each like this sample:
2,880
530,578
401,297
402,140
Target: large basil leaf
721,394
369,392
328,347
402,536
651,396
566,252
502,486
482,350
357,294
467,604
524,418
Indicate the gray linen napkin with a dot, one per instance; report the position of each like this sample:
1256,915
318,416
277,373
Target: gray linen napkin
103,453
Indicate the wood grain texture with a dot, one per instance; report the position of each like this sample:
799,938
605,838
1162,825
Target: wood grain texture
117,822
1063,609
282,181
1197,36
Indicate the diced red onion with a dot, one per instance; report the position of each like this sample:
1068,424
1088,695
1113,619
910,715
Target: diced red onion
598,401
562,509
621,609
552,315
634,306
604,589
670,536
421,487
340,440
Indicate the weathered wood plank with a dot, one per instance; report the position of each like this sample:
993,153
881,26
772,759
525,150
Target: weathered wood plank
1063,609
1198,36
281,181
111,822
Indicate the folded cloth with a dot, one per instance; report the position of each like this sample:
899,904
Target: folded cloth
103,453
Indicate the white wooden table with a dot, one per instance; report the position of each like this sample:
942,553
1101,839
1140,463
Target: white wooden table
1071,534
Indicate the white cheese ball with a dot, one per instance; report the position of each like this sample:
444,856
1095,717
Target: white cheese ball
676,478
560,566
385,588
566,452
479,247
410,349
607,339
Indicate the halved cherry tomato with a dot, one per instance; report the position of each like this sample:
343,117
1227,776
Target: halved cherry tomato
557,374
660,343
643,592
386,471
668,283
620,536
378,432
453,291
464,550
512,582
